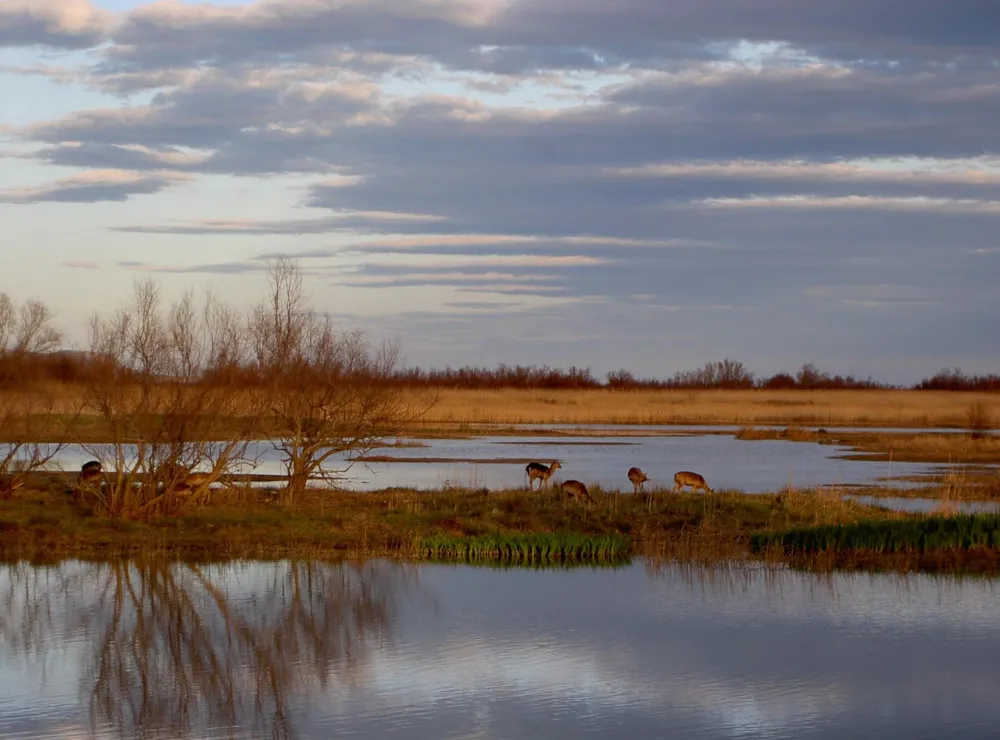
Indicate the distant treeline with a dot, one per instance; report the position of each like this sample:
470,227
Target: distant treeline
956,380
724,374
77,367
731,374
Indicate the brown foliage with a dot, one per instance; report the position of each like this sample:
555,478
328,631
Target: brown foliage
145,387
329,393
956,380
980,418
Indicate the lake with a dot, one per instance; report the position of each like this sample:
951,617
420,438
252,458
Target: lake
382,650
726,462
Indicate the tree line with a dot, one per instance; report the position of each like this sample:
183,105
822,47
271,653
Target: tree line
719,374
29,354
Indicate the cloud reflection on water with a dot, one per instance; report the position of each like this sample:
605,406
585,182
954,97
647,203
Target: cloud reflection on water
312,650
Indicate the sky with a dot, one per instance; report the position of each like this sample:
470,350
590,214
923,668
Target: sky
639,184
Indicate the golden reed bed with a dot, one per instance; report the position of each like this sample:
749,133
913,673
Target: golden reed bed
890,408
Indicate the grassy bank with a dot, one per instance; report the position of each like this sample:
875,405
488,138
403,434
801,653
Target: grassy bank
969,541
516,527
251,523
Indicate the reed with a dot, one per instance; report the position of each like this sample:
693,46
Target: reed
461,411
831,408
527,549
963,532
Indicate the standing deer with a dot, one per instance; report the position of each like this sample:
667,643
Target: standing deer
574,489
638,478
687,478
537,470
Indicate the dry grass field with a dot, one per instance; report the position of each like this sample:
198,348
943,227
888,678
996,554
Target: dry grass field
877,408
889,408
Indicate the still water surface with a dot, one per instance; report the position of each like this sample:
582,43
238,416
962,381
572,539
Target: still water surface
727,463
312,650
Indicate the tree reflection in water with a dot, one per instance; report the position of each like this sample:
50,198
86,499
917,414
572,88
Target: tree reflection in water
219,651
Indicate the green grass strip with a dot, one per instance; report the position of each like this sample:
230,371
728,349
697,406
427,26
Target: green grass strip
928,534
526,549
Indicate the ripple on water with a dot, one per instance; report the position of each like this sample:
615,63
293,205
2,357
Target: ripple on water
386,649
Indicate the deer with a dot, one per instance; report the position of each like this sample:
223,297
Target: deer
91,474
574,489
193,481
537,470
687,478
638,478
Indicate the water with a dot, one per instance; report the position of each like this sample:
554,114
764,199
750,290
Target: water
727,463
312,650
927,505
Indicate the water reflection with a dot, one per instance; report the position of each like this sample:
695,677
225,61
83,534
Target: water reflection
182,650
653,650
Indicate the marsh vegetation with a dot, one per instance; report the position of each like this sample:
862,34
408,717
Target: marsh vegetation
165,391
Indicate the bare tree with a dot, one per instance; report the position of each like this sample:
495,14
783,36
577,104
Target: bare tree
331,394
171,655
160,417
27,412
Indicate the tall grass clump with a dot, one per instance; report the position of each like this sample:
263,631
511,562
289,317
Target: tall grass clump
979,419
929,534
527,549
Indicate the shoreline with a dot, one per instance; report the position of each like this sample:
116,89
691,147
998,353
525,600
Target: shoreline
46,526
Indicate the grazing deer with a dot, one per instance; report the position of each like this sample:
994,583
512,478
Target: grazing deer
195,485
192,481
687,478
576,490
638,478
537,470
91,471
91,474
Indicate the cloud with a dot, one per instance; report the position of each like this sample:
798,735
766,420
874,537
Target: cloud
93,187
223,268
876,296
381,275
487,260
80,264
65,24
856,202
479,305
708,157
340,222
61,75
525,35
832,178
